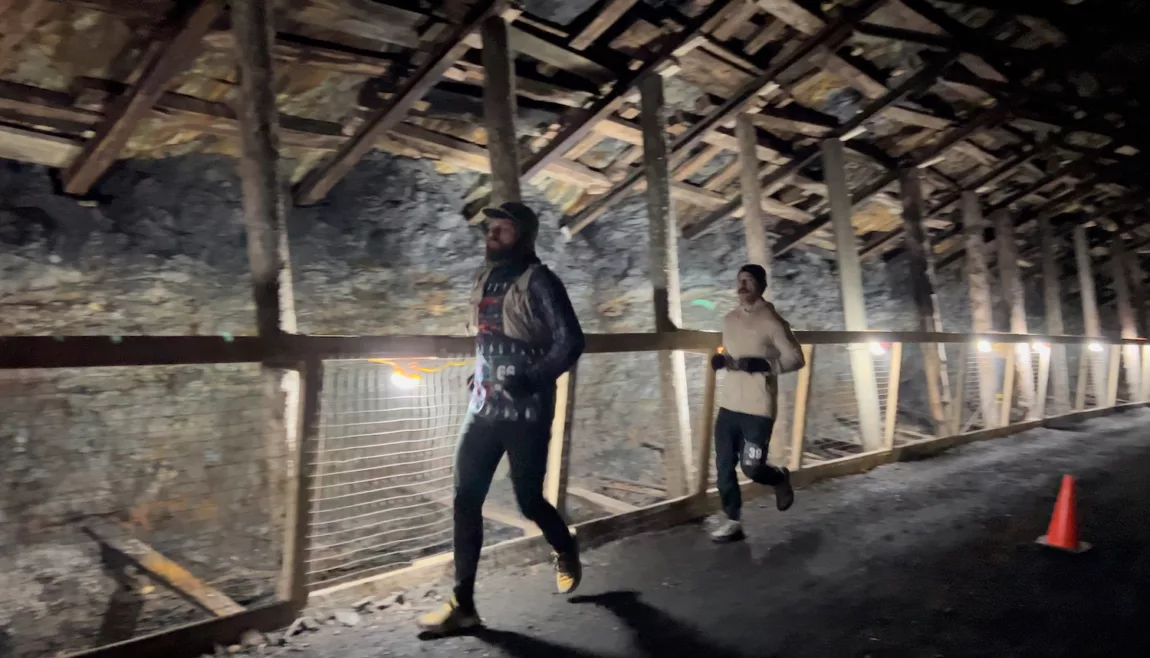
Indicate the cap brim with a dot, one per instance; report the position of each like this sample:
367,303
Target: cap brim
497,213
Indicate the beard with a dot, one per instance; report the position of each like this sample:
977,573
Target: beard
497,253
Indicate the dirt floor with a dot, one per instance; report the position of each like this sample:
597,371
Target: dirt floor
932,558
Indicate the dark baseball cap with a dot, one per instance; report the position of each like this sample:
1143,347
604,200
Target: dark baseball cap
513,211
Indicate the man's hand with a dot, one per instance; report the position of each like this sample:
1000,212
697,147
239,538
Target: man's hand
721,361
471,382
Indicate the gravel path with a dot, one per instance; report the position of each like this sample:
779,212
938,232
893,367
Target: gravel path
932,558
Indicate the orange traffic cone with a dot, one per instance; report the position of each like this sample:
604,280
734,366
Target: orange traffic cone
1063,531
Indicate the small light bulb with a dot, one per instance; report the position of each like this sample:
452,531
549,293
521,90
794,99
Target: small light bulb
1040,348
400,380
1094,347
984,346
877,349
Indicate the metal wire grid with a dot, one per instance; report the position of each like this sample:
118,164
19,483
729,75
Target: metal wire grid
185,459
1063,357
621,427
914,421
833,428
382,487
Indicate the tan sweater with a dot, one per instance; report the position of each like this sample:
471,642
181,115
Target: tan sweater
758,332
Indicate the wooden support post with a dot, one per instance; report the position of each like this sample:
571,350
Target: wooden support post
182,41
664,272
1043,381
1090,319
499,111
293,579
265,206
319,181
559,449
753,226
1112,376
758,245
1141,311
1015,295
1144,394
921,261
854,305
1052,297
981,306
959,405
705,434
1120,272
1082,383
1006,403
892,386
802,397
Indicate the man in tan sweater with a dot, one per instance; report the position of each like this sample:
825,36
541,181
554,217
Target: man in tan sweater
758,346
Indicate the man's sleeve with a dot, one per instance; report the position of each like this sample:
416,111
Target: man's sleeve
551,305
790,352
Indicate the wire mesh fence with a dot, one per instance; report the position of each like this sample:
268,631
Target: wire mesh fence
624,424
117,482
382,489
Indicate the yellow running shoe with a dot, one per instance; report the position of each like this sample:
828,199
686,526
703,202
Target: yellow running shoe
568,570
449,618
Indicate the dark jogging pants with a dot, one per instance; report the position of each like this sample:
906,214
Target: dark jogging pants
476,458
733,432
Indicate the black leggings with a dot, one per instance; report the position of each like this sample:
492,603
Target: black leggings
733,432
476,458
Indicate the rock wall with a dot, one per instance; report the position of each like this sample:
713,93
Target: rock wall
161,250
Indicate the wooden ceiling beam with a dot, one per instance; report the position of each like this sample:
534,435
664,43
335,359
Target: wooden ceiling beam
604,19
184,37
978,122
914,84
319,181
679,150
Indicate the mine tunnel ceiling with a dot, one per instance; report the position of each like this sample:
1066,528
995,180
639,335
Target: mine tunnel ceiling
1038,105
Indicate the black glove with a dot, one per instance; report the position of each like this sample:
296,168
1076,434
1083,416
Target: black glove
753,364
721,361
471,382
518,386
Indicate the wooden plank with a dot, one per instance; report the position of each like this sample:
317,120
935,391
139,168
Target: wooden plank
981,302
770,176
853,300
474,157
296,49
162,569
38,148
1043,381
575,131
705,434
599,500
553,54
1090,317
959,406
1128,323
892,388
183,38
802,399
607,16
499,111
1052,298
793,14
559,447
293,580
664,272
754,228
831,33
264,202
17,25
319,181
1014,292
920,259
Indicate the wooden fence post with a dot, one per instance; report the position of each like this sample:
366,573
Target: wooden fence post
705,434
802,396
892,386
559,448
293,579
